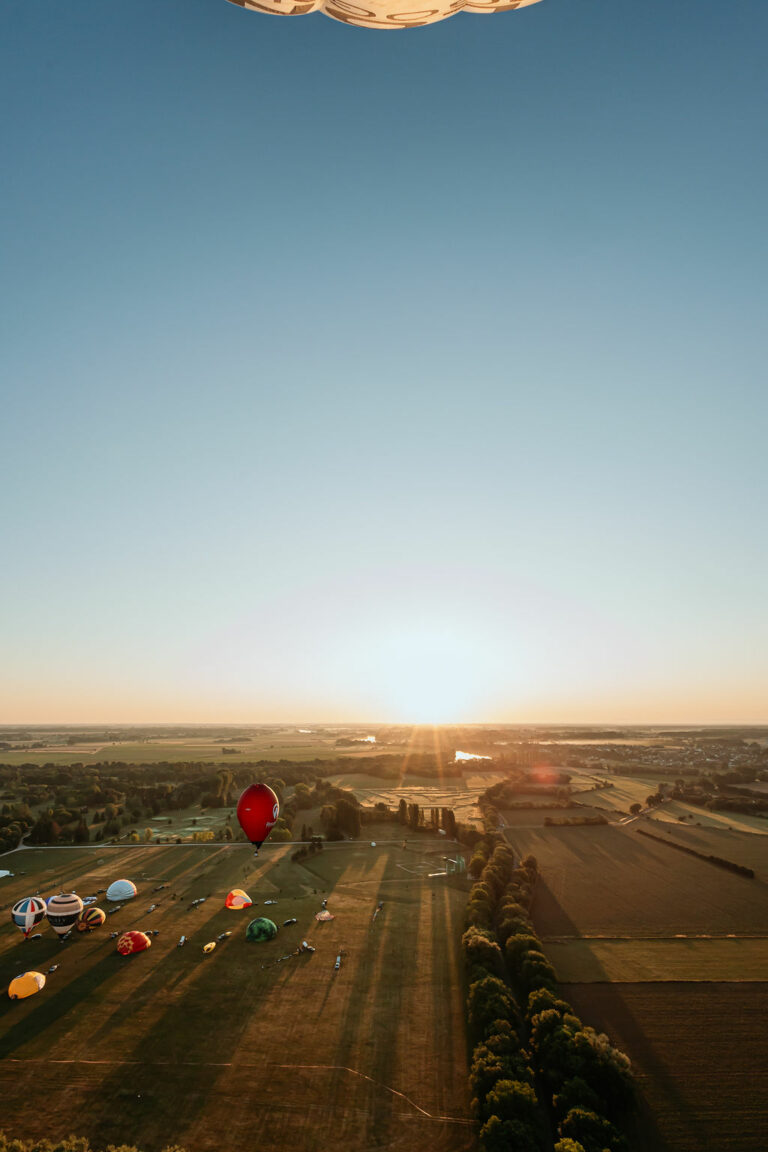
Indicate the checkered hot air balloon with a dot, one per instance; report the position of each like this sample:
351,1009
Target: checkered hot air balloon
27,913
64,911
131,942
90,918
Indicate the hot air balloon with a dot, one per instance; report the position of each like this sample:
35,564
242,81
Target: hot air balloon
26,985
133,941
382,13
27,913
121,890
257,811
63,912
237,899
91,918
261,929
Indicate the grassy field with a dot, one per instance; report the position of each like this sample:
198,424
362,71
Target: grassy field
699,1057
220,1052
288,744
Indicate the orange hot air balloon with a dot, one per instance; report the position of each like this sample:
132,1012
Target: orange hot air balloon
27,985
133,941
237,899
382,13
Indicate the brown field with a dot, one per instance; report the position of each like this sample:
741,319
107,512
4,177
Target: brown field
624,919
632,961
610,881
700,1056
219,1053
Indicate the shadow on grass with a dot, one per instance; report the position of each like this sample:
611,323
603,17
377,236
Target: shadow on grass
624,1029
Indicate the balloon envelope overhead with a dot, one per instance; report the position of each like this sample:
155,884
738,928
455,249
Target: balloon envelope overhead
261,929
64,911
257,812
28,912
26,985
133,942
382,13
238,899
121,890
91,918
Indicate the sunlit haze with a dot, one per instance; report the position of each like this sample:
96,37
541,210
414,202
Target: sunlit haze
406,377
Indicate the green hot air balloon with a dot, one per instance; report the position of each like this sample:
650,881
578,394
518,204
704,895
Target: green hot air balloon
261,929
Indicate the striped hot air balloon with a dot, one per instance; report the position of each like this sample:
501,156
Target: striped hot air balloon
27,913
26,985
133,941
64,911
91,918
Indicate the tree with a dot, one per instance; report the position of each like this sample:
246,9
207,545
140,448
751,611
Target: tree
82,835
402,812
635,809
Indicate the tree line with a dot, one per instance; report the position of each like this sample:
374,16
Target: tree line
535,1066
740,869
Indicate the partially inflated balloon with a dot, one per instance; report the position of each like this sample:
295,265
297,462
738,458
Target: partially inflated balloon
382,13
90,918
26,985
257,811
261,929
238,899
121,890
64,911
28,912
133,942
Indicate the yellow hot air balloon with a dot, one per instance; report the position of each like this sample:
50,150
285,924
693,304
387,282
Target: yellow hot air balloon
26,985
382,13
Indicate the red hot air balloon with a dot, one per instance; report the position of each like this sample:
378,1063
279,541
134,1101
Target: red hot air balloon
133,941
257,811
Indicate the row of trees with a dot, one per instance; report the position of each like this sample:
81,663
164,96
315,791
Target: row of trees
740,869
535,1065
68,1144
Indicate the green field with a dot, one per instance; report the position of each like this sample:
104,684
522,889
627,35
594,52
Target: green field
218,1052
282,745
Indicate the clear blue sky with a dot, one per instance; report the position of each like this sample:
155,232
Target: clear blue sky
414,375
